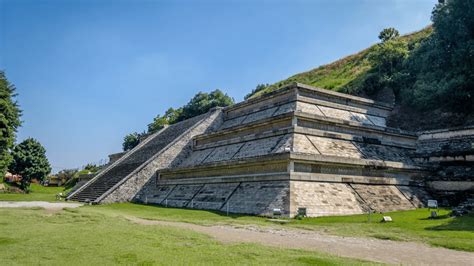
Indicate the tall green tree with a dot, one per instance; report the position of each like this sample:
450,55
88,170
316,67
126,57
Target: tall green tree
30,161
9,121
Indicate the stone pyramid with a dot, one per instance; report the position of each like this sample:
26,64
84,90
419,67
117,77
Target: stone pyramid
298,149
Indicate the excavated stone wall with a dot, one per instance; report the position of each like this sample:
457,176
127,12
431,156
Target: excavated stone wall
300,147
449,154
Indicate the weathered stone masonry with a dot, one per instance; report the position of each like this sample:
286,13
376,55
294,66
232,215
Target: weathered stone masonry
299,147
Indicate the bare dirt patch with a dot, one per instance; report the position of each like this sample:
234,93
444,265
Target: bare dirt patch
385,251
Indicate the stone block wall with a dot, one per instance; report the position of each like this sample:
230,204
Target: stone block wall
241,150
213,196
171,155
258,198
382,198
329,198
323,199
350,149
182,195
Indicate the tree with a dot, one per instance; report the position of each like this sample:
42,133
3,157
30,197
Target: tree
9,121
387,60
170,117
203,102
199,104
388,34
29,161
389,54
441,70
130,141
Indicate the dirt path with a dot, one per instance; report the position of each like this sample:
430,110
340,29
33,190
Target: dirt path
385,251
48,206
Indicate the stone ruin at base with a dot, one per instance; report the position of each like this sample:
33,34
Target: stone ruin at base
297,149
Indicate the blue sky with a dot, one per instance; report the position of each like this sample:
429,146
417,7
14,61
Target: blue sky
89,72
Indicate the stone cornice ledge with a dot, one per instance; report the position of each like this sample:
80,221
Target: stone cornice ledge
351,161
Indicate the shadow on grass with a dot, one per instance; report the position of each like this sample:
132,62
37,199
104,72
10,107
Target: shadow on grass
441,217
220,213
462,223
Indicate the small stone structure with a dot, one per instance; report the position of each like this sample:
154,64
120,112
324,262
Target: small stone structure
296,148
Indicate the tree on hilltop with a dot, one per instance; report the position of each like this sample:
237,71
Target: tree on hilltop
388,34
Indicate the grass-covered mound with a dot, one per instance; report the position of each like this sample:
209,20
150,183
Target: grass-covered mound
429,74
344,75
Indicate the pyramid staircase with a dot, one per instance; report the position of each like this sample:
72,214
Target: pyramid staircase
105,182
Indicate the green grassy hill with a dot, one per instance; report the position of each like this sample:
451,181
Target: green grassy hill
414,108
343,75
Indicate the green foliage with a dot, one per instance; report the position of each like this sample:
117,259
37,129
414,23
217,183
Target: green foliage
348,74
29,160
432,69
386,61
170,117
388,34
130,141
9,121
440,73
388,56
93,168
202,102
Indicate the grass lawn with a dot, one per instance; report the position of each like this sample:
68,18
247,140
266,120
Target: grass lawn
85,237
38,193
445,231
449,232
